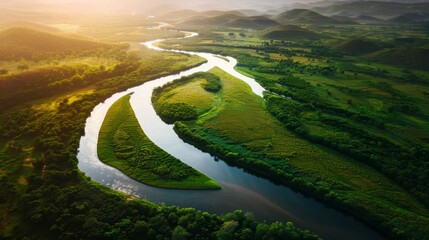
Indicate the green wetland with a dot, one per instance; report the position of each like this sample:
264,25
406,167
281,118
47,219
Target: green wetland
263,124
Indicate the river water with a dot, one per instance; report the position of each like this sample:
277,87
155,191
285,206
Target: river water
240,189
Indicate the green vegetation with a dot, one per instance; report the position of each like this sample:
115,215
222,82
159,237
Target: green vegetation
230,20
357,46
43,194
171,110
289,32
403,57
240,131
123,145
304,16
345,118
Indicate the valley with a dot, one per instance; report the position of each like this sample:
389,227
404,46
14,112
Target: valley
259,125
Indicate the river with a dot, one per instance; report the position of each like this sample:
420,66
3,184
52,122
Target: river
240,189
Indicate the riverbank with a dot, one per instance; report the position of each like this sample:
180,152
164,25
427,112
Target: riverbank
241,190
245,135
123,145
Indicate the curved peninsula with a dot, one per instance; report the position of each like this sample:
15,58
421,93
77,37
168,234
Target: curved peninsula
123,145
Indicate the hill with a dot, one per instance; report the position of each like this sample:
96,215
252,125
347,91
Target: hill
367,19
304,16
411,18
383,10
32,25
409,57
289,32
187,14
357,47
207,21
232,20
178,15
257,22
20,42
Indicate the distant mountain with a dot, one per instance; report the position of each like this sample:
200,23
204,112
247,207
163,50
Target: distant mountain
232,20
382,10
367,19
186,14
258,22
32,25
250,12
289,32
178,15
304,16
410,18
220,20
19,42
411,57
357,46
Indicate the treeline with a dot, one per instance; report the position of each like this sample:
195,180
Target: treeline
84,212
285,67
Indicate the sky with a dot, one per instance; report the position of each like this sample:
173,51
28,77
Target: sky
144,5
148,6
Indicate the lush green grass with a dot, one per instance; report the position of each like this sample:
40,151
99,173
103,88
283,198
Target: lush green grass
123,145
242,129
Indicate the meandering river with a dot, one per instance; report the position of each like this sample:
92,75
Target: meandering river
240,189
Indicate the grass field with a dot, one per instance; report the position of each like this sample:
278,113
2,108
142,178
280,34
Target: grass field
242,126
123,145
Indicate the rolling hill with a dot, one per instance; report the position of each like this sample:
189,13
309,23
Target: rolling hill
20,42
410,57
304,16
187,14
32,25
411,18
289,32
365,19
232,20
357,47
383,10
257,22
178,15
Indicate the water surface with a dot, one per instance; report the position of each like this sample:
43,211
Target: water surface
240,190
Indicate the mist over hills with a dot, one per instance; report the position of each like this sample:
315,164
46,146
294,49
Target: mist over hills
321,12
378,9
25,42
157,7
304,16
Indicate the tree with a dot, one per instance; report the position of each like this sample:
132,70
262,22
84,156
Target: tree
227,230
179,233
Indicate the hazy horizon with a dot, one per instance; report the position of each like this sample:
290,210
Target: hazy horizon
162,6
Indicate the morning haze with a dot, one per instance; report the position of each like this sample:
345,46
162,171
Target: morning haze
198,119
